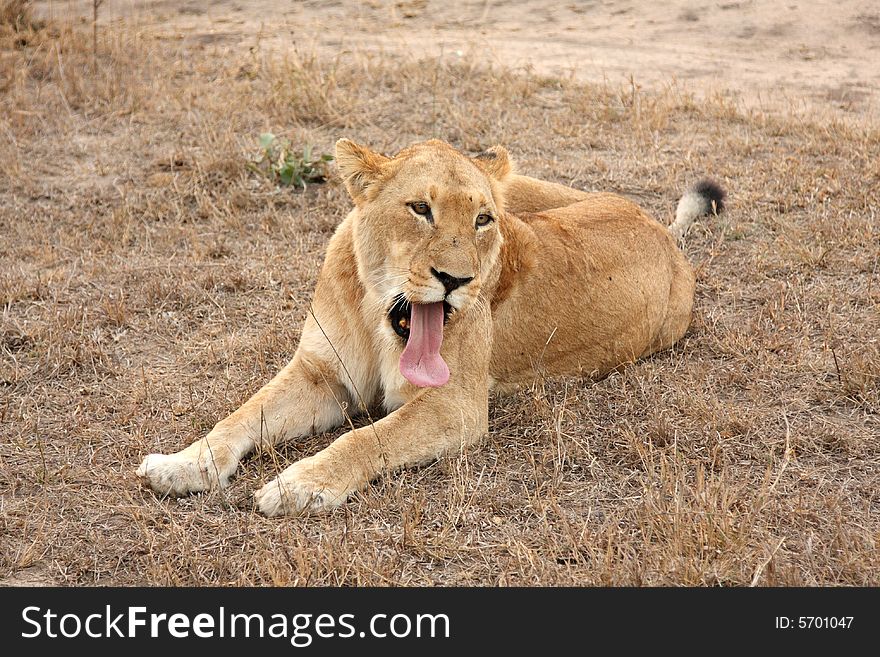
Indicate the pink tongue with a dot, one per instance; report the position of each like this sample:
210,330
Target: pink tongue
420,362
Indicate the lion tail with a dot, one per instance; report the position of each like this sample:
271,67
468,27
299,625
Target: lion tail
706,197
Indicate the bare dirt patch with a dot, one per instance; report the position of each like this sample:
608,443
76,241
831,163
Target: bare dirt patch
791,56
151,282
33,576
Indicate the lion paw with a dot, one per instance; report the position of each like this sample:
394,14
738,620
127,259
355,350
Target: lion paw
184,473
302,488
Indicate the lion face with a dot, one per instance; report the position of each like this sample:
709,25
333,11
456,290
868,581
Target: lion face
426,235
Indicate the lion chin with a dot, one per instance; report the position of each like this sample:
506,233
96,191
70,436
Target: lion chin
451,274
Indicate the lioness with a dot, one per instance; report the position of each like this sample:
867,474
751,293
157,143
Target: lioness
451,276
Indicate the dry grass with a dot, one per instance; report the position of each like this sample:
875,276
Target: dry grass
150,283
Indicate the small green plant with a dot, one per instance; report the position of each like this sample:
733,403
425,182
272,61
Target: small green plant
285,166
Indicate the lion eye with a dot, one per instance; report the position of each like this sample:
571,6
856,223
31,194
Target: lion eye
484,220
421,208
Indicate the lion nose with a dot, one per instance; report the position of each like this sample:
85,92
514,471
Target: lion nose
450,283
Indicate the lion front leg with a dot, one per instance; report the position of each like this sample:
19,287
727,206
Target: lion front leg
306,396
430,426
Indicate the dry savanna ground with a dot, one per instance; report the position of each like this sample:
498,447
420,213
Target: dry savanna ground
150,281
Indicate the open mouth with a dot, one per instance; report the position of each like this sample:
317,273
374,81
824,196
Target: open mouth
421,326
400,315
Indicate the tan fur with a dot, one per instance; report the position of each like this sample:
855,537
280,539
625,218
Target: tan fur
564,282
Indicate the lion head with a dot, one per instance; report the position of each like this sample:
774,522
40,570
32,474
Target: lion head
426,239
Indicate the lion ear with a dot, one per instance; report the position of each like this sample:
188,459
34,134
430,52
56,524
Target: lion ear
495,161
358,166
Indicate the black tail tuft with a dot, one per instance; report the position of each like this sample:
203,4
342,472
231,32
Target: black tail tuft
712,192
704,198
